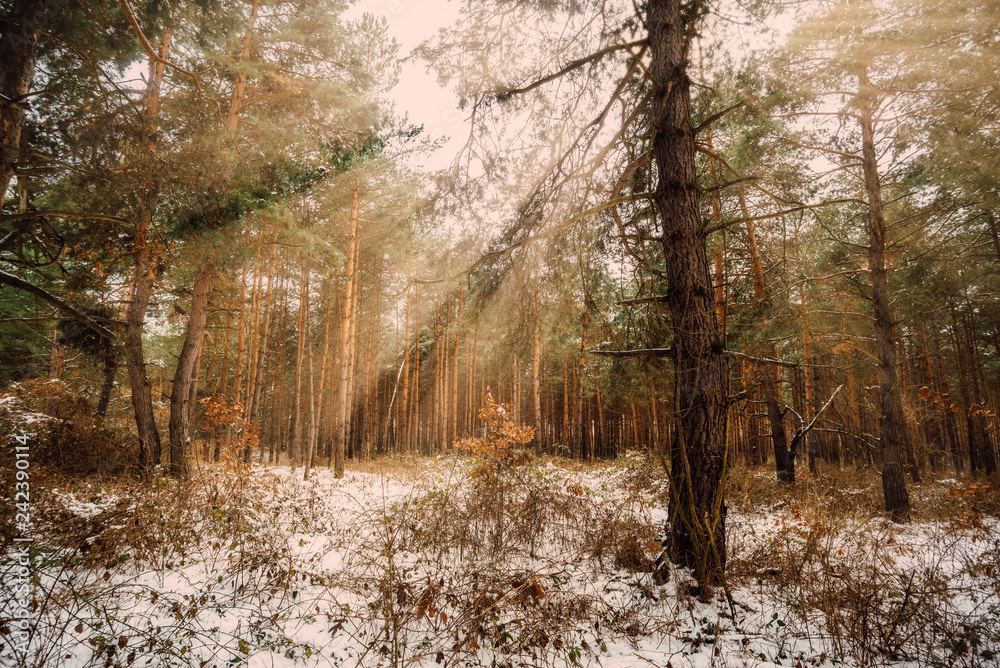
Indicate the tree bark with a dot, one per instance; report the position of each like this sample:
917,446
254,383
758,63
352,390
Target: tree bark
346,329
180,415
251,416
695,535
239,87
295,447
770,380
110,370
579,434
893,432
20,30
536,367
145,267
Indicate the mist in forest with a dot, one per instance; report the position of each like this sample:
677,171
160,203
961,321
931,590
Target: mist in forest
552,332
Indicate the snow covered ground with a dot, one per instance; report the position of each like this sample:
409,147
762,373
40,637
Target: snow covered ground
440,563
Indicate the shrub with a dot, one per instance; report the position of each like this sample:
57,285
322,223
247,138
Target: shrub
62,431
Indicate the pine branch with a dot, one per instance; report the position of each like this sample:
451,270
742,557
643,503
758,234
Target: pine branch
79,316
722,114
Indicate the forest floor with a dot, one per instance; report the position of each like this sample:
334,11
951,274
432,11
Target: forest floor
456,561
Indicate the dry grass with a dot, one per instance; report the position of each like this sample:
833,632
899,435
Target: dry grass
880,592
524,560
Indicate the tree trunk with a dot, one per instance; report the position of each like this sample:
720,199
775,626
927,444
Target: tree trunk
21,30
352,356
536,384
346,329
110,370
807,373
893,432
991,219
251,416
578,431
240,346
180,427
948,417
135,361
453,399
239,87
770,380
295,448
696,531
145,267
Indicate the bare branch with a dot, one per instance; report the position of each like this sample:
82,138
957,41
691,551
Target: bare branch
579,62
146,46
535,237
801,432
648,353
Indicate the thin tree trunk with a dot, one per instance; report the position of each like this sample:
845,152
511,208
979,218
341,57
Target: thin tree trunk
565,436
536,381
239,88
56,351
991,219
252,420
810,440
346,328
453,411
957,458
110,369
978,411
236,432
578,427
770,380
311,438
253,332
352,356
295,448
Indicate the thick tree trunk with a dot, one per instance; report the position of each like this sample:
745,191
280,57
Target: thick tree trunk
180,415
20,31
893,432
696,531
135,361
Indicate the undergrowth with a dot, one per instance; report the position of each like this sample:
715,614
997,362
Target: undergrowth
500,558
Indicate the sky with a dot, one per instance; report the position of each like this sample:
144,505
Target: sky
424,100
418,93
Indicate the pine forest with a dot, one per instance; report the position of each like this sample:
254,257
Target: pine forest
502,333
